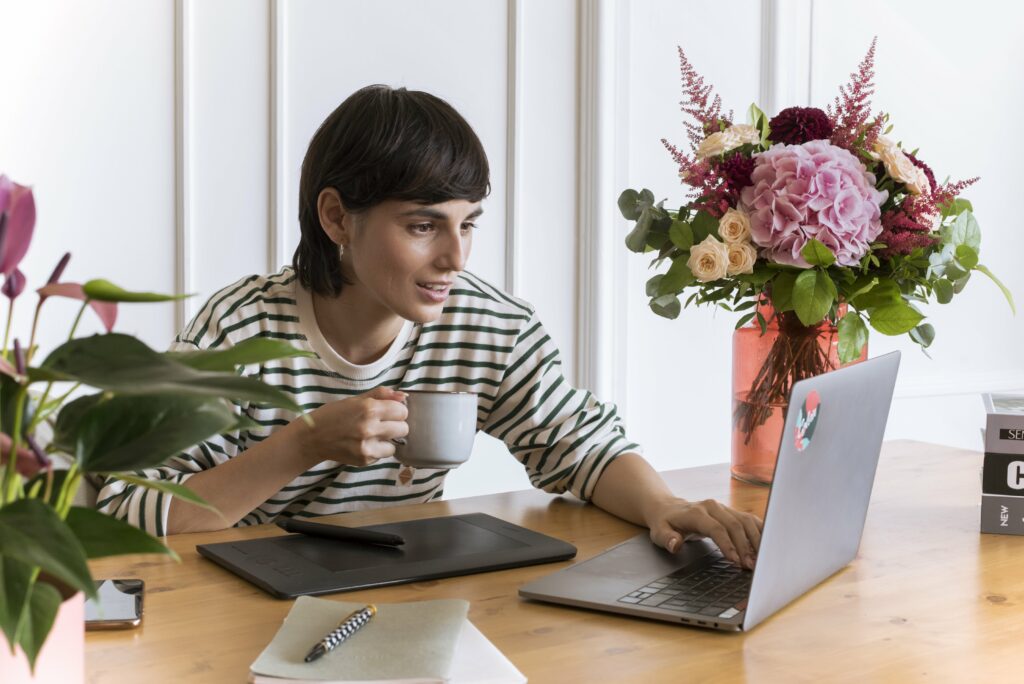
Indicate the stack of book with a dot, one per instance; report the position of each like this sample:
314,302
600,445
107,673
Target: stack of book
420,642
1002,477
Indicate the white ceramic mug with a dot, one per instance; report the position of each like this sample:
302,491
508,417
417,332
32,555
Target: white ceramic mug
442,426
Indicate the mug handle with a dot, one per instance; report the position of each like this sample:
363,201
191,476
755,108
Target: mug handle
398,441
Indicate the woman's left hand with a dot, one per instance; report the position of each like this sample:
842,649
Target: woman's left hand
737,534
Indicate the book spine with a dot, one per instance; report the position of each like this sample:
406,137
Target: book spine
1004,434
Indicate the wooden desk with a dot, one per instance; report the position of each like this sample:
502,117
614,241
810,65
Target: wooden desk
928,598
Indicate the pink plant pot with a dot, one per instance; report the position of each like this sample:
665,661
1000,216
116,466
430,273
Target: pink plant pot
62,658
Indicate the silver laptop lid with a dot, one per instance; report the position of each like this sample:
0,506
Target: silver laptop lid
822,483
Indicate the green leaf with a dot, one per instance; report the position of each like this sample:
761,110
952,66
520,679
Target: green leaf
174,489
967,256
966,231
254,350
43,604
853,335
106,291
1006,292
884,292
957,206
895,319
101,535
678,277
31,532
628,204
652,285
135,432
681,235
813,294
636,241
782,291
745,319
667,306
943,291
15,586
703,224
123,364
817,254
923,334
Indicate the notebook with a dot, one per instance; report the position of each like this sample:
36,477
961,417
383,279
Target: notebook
409,643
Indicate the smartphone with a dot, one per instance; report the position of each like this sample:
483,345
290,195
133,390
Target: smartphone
119,605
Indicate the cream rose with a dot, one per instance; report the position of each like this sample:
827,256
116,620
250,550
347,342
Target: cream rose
899,166
723,141
742,256
734,226
709,260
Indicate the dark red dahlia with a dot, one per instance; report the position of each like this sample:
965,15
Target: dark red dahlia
736,171
924,167
797,125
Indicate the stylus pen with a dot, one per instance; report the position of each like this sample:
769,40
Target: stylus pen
347,628
353,534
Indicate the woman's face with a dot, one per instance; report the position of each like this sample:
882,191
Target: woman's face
405,256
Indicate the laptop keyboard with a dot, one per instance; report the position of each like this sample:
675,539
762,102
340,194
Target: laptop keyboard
716,589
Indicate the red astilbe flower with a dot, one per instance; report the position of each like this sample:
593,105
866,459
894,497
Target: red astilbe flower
947,192
852,109
905,229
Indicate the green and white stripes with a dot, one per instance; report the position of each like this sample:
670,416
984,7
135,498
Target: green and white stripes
485,342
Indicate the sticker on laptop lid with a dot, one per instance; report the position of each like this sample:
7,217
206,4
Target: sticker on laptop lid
807,420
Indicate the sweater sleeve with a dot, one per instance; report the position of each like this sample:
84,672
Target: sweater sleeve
148,508
563,436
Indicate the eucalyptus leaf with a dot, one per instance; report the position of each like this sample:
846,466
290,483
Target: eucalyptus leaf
816,253
636,241
853,335
123,364
106,291
966,231
43,603
679,276
895,319
31,532
102,535
666,306
966,256
960,283
813,295
628,204
254,350
943,291
652,285
923,334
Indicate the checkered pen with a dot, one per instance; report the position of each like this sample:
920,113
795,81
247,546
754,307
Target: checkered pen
347,628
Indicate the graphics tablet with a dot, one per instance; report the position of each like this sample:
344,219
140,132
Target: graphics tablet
294,565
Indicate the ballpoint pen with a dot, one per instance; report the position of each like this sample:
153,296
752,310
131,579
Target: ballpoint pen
347,628
353,534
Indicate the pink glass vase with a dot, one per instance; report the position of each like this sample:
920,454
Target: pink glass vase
62,657
764,368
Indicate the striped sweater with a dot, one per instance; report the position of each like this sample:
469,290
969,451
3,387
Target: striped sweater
485,342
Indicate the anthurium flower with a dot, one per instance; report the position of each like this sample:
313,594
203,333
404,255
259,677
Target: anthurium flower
107,311
18,218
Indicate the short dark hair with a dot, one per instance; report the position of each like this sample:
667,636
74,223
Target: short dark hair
383,144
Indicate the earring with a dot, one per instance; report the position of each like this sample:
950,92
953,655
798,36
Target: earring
341,251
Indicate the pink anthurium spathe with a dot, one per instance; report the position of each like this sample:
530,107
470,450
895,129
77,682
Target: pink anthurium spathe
107,311
18,214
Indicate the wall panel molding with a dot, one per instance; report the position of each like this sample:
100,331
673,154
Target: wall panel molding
183,239
514,151
277,220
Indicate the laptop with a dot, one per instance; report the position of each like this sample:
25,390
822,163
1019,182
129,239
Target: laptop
812,527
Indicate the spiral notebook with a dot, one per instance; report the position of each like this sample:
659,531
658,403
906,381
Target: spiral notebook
420,642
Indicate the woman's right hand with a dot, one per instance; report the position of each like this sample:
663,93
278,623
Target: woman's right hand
356,431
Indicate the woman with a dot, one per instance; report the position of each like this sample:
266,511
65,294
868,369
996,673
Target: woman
391,186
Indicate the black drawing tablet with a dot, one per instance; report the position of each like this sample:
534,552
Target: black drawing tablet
295,564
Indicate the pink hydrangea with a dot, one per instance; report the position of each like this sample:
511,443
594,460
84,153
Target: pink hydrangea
814,190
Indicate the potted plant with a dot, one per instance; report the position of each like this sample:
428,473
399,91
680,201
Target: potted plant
144,407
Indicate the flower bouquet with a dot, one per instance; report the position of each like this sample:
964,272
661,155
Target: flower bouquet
148,407
813,226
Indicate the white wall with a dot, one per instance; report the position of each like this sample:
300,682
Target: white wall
161,136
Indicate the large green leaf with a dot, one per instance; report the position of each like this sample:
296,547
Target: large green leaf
813,295
895,319
679,276
1005,291
101,535
782,291
681,235
817,254
31,532
136,432
883,293
15,584
174,489
106,291
251,351
703,224
43,604
853,335
123,364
